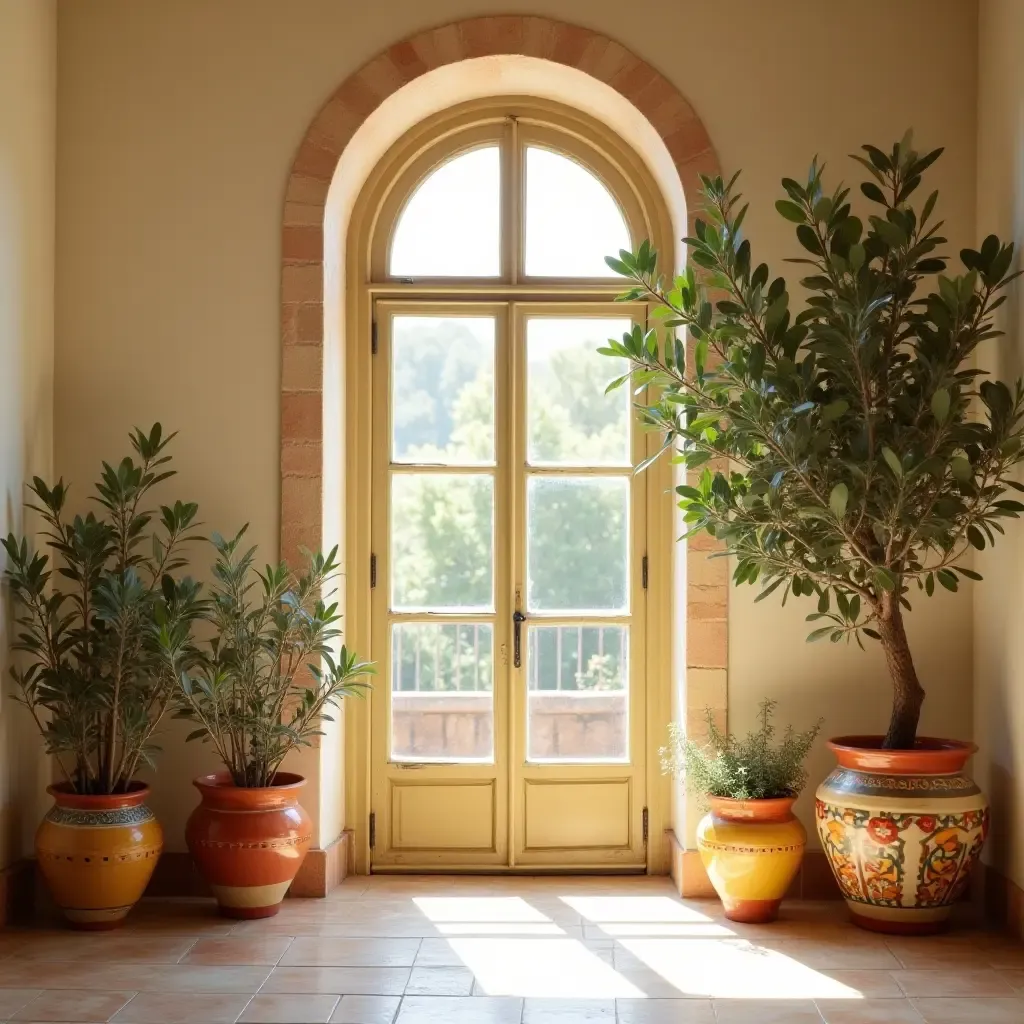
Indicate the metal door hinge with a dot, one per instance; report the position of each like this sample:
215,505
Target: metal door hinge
373,829
643,572
373,571
646,826
373,337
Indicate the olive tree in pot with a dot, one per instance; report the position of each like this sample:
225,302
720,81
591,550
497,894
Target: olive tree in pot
95,621
851,453
271,675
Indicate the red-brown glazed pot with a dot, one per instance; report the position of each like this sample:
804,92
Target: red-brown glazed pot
249,843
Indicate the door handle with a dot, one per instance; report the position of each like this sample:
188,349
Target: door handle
518,618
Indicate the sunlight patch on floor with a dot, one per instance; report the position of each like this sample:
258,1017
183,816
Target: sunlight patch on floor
633,909
543,968
734,969
488,909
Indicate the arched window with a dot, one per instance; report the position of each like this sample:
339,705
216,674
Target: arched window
508,530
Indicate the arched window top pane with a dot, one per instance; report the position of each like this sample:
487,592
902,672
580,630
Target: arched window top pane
572,220
451,225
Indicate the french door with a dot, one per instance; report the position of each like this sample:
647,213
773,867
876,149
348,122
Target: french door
508,602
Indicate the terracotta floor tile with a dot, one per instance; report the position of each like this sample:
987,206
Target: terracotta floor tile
868,1011
665,1011
460,1010
74,1005
289,1009
927,984
766,1011
263,951
107,947
440,981
970,1011
1015,979
306,951
437,953
369,981
366,1010
868,984
852,955
13,999
52,974
568,1011
183,1008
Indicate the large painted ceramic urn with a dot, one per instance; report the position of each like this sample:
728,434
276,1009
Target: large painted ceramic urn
902,830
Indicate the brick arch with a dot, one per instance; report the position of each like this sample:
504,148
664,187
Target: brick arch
684,135
302,282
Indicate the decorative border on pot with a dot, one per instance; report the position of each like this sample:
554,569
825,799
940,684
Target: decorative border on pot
881,785
278,844
733,848
116,818
146,854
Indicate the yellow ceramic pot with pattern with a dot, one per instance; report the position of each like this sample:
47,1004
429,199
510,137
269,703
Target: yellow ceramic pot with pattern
97,853
751,850
902,830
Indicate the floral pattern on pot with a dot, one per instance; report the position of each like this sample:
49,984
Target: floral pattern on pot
901,846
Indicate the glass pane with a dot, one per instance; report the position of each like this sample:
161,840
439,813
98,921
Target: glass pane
572,220
578,693
442,372
442,692
442,542
577,550
571,421
450,226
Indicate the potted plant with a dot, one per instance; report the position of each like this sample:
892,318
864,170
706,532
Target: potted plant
749,841
271,674
94,675
849,453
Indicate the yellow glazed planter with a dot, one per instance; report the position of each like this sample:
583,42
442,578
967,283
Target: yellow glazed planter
97,853
751,850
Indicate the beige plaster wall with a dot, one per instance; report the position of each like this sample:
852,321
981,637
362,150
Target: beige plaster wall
28,34
998,623
177,126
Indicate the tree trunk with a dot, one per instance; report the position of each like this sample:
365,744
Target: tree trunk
908,695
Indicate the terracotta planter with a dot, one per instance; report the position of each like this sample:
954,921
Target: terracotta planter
752,850
97,853
902,830
249,843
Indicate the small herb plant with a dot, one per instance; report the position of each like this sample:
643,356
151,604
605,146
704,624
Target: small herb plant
753,768
272,671
99,616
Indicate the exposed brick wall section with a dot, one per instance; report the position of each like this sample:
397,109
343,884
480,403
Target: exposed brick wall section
302,273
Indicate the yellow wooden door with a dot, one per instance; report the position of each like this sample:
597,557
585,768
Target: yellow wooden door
508,722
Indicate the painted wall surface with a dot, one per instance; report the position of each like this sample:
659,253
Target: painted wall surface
177,126
28,35
999,645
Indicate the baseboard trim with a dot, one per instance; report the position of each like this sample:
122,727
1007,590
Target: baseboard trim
17,892
322,870
814,880
1002,901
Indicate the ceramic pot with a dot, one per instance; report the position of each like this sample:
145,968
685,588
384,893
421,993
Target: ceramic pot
98,853
752,851
249,843
902,830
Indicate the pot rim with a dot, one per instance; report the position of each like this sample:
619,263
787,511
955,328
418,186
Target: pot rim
64,796
222,780
770,809
931,755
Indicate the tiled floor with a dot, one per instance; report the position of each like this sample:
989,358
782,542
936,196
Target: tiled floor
447,950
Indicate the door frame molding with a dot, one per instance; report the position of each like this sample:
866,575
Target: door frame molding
322,400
